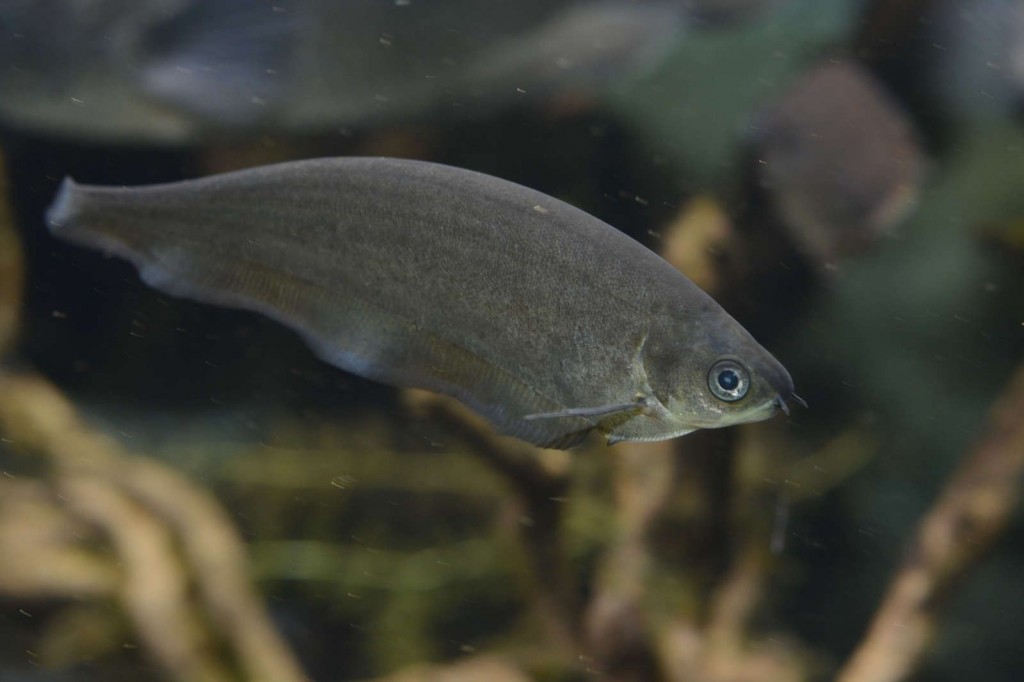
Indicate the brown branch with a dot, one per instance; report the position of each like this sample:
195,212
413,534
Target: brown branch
40,546
11,270
531,470
735,600
155,586
722,646
752,492
38,418
686,656
616,628
540,480
473,669
962,525
219,563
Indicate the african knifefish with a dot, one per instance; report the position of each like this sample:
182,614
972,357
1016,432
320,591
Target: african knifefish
178,71
546,320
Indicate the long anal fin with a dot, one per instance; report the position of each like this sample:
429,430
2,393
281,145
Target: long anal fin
598,413
566,440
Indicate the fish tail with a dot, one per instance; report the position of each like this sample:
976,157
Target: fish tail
60,216
95,217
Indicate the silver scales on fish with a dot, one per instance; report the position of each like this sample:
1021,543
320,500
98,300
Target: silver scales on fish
544,319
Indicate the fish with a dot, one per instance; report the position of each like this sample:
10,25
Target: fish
725,13
175,72
975,66
542,318
840,160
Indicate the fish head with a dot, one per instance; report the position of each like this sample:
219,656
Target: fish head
725,378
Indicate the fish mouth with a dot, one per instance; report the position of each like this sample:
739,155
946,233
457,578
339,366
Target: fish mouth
762,412
758,413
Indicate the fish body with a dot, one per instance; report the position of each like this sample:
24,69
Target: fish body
539,316
726,13
177,71
976,73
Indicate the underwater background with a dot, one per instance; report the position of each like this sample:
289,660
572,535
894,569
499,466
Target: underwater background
187,493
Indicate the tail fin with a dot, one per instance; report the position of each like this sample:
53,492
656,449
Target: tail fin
90,216
61,212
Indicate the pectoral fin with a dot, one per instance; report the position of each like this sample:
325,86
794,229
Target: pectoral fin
607,418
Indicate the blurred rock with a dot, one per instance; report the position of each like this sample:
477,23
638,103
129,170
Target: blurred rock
691,107
838,159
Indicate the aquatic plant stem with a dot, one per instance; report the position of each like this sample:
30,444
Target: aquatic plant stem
12,270
540,490
962,525
616,623
146,511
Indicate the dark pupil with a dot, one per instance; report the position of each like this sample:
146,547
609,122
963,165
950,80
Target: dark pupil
728,379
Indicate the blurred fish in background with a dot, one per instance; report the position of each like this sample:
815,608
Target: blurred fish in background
173,71
977,68
839,160
959,64
727,12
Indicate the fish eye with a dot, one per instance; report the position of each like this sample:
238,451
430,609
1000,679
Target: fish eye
728,380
